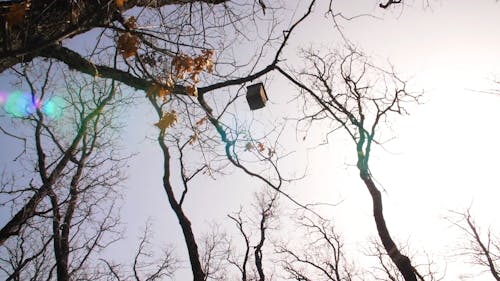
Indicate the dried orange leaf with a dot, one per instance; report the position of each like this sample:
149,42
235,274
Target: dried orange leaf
182,64
261,147
201,121
168,120
193,139
199,64
130,22
192,91
194,77
209,66
127,45
16,14
119,3
170,82
158,90
164,92
208,53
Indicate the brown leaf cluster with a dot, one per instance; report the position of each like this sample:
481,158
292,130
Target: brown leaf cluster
168,120
130,23
184,65
261,148
160,91
127,45
16,14
192,90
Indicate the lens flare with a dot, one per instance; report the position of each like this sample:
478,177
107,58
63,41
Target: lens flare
3,97
19,104
53,107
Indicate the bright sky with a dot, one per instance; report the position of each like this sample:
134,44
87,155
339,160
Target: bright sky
444,157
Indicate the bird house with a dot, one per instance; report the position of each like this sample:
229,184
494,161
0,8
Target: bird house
256,96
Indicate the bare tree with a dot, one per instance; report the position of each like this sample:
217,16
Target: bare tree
146,265
52,167
207,255
320,256
167,51
71,206
28,256
365,100
31,29
174,101
147,33
176,201
385,269
482,249
213,251
252,264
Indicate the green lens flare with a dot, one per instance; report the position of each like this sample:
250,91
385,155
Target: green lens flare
53,108
19,104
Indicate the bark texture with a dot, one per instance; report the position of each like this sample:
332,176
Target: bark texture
49,22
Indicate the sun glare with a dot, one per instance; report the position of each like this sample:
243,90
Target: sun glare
20,104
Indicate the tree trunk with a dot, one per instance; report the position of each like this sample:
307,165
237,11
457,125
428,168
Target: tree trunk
194,257
401,261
